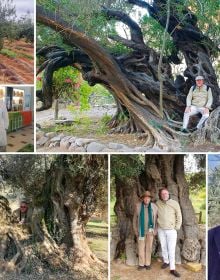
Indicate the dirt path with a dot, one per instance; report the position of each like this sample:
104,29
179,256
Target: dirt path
19,67
123,272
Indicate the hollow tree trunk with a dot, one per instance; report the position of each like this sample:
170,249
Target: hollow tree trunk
160,170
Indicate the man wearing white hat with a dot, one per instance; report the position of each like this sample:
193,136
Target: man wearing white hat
199,100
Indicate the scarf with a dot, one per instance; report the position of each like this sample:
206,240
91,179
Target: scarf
142,220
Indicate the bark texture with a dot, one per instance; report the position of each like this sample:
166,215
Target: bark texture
133,77
159,171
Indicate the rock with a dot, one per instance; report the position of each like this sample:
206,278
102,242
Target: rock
72,139
80,149
57,138
126,149
95,147
42,141
195,267
72,147
39,134
64,143
50,134
83,142
191,250
115,146
141,149
54,144
107,150
64,122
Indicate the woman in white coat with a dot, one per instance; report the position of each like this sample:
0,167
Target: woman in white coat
4,122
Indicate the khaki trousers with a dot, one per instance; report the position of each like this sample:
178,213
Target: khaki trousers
145,249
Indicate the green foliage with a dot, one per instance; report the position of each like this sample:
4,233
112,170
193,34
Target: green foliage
103,124
198,199
8,53
208,14
196,181
65,83
87,16
7,16
214,197
153,35
124,166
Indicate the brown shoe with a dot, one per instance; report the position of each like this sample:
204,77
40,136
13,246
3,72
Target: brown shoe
175,273
164,265
148,267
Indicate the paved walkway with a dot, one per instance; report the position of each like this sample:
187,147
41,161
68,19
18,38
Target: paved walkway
20,138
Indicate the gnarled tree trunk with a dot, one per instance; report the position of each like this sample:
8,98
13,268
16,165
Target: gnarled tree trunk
133,78
159,171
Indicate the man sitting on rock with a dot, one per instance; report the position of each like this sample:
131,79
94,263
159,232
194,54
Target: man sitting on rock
199,100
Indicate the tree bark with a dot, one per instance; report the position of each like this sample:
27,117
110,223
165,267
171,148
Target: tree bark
159,171
133,77
69,196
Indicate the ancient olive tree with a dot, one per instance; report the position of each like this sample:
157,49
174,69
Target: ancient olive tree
64,191
131,176
132,75
214,197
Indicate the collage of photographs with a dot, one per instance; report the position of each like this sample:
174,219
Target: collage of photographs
109,139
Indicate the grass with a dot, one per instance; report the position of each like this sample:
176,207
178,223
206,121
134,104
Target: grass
11,54
26,149
82,126
116,277
103,125
199,203
28,56
97,236
8,53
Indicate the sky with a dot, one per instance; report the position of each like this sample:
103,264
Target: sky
214,160
22,6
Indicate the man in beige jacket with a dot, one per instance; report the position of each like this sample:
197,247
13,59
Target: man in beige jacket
145,228
169,221
199,100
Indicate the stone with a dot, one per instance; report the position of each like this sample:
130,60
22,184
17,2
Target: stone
64,143
39,134
83,141
126,149
195,267
42,141
107,150
141,149
50,134
72,147
191,250
57,138
80,149
95,147
54,144
64,122
72,139
115,146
